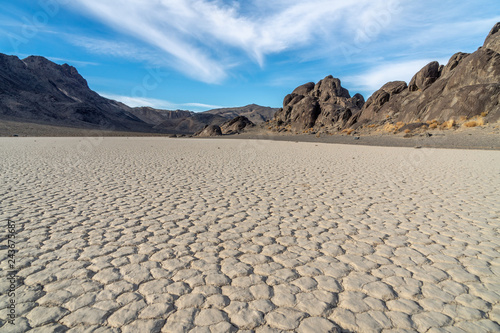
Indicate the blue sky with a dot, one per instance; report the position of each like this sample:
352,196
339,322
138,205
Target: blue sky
201,54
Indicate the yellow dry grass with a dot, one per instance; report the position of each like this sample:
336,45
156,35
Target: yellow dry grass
399,124
389,127
448,124
476,122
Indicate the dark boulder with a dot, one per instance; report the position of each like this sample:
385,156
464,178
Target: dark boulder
425,77
236,125
453,62
492,41
209,131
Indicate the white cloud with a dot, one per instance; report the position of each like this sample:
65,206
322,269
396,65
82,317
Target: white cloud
205,39
200,37
158,103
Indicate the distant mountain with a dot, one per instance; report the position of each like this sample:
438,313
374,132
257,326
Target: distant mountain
191,124
196,122
39,91
255,113
155,116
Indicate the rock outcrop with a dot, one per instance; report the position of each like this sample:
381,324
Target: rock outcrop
325,104
468,86
425,77
492,41
236,125
209,131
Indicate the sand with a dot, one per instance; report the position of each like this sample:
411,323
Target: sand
200,235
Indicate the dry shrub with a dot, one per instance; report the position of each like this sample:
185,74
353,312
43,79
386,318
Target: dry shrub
433,125
372,126
462,119
471,123
399,124
484,114
474,123
349,131
448,124
389,127
407,130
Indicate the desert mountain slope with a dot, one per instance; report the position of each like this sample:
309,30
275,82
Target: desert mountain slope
39,91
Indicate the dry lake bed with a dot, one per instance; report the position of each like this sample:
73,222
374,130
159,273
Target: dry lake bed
192,235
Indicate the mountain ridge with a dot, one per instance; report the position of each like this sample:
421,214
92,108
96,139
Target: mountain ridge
37,90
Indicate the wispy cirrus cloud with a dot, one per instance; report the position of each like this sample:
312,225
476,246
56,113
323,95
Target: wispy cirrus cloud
205,39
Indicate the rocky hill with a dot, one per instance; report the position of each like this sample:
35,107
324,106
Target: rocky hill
467,87
37,90
324,105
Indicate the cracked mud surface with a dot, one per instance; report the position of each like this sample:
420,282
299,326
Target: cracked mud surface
162,235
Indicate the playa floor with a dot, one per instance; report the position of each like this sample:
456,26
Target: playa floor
192,235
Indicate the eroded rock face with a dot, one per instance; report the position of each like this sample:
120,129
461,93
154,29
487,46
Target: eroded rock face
324,104
425,77
469,85
492,41
454,61
236,125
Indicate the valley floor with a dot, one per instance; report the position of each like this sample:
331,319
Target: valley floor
202,235
482,137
